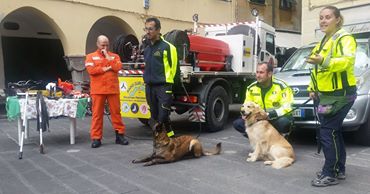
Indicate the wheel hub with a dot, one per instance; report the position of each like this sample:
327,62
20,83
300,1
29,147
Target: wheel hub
218,107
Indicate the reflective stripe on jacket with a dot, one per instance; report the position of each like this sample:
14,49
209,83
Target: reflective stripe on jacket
279,96
103,82
336,72
160,63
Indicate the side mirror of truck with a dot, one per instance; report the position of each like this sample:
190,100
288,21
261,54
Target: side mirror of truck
262,56
276,69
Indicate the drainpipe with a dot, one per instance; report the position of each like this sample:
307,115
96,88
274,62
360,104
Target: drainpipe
273,13
2,66
234,7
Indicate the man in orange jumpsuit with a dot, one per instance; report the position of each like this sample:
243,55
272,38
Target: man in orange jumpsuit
103,67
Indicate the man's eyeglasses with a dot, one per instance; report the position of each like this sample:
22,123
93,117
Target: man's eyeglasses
149,29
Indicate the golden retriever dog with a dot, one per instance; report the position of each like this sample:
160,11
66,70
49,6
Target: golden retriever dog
266,142
168,150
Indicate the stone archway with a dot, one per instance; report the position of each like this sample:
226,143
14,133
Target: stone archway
110,26
32,47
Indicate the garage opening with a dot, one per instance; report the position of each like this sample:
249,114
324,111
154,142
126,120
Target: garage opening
31,47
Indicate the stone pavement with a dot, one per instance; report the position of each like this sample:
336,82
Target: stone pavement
78,168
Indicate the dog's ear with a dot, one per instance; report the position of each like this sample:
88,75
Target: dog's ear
261,115
160,127
156,129
155,133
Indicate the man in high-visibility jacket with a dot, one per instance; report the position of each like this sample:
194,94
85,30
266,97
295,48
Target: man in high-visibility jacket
103,67
271,94
160,69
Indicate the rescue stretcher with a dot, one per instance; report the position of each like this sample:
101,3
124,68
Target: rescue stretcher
23,128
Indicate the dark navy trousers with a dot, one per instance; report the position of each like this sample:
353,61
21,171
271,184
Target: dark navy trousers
332,142
159,98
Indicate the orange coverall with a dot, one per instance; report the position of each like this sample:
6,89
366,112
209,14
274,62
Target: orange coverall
104,86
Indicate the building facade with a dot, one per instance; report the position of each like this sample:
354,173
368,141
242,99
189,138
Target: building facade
353,11
283,15
41,38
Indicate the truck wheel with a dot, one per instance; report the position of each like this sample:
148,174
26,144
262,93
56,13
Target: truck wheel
362,136
144,121
217,109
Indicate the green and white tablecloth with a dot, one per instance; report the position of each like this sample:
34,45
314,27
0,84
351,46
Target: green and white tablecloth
74,108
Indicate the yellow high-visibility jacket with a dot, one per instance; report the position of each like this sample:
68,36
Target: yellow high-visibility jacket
279,96
160,63
336,71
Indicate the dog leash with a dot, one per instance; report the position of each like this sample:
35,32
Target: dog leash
295,108
305,102
200,123
286,135
315,103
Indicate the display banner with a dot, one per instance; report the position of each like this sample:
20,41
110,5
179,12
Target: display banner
132,97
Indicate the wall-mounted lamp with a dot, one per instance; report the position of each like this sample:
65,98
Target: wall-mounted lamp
254,12
146,4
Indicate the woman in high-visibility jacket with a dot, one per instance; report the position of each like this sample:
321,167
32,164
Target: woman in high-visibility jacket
333,85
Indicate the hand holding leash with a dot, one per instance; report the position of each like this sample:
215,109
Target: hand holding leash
315,59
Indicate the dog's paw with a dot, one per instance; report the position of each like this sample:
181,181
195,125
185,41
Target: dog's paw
148,163
251,159
268,162
135,161
250,154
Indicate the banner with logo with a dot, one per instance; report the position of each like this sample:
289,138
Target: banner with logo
132,97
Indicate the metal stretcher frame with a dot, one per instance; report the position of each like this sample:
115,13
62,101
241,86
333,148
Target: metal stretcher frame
23,123
72,129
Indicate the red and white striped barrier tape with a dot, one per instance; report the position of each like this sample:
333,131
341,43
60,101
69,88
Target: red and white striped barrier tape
133,72
227,24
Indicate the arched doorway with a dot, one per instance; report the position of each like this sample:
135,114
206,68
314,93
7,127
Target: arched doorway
110,26
32,49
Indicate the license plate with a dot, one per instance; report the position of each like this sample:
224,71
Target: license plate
298,113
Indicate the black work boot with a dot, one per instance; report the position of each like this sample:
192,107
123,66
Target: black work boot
96,143
120,139
153,124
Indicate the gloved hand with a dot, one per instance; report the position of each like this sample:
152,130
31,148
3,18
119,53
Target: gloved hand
272,114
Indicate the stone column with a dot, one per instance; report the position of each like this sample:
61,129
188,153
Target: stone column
76,64
2,73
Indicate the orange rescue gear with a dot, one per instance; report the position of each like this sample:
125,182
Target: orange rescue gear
104,86
103,82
